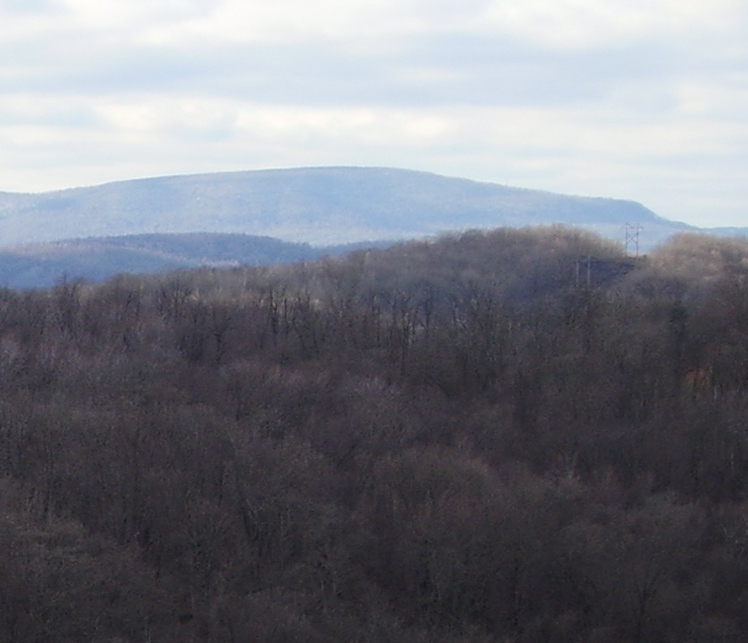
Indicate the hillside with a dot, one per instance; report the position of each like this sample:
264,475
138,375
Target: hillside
43,265
514,435
320,206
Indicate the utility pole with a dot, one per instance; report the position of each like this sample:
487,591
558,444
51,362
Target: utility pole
578,269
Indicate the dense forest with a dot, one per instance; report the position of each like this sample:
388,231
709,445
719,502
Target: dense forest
504,436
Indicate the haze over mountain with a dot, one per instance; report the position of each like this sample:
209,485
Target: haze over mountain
312,205
275,216
42,265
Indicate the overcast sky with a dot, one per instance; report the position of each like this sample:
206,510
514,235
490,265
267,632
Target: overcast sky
639,99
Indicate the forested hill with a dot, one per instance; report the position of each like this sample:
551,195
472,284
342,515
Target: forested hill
509,435
42,265
320,206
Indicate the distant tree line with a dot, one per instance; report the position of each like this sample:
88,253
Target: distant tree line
505,436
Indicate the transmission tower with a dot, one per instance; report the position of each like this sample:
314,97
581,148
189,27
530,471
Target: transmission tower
631,236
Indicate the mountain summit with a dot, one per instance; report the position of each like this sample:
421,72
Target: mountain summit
326,205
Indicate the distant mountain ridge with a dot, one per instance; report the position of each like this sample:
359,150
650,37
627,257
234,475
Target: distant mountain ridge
262,217
320,206
42,265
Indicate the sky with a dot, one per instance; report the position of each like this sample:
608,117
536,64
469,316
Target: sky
637,99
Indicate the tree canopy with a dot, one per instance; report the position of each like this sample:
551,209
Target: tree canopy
508,435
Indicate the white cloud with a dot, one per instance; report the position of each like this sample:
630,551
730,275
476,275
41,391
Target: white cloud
575,24
257,21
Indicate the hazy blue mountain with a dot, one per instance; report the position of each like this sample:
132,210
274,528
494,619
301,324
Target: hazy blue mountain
276,216
313,205
43,265
729,232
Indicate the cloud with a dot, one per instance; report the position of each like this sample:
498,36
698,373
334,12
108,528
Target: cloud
623,98
577,24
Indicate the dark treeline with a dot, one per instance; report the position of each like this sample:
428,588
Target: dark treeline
507,436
